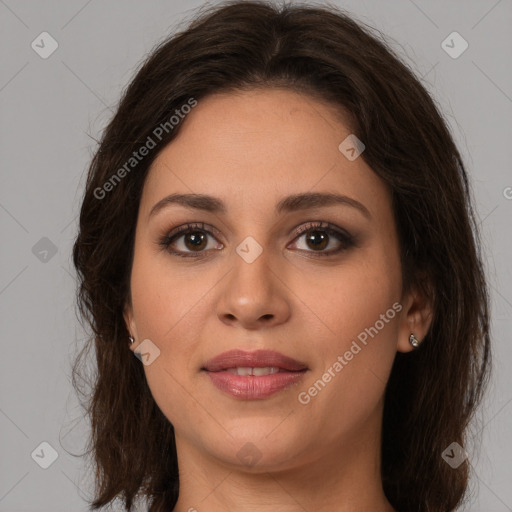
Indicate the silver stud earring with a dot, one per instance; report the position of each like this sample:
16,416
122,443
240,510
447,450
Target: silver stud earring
131,340
415,342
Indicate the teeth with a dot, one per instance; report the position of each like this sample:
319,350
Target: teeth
244,370
264,371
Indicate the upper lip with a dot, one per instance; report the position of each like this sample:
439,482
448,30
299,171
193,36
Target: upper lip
256,359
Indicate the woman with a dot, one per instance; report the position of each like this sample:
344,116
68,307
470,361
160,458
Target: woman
278,224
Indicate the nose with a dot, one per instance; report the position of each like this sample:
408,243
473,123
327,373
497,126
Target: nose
253,294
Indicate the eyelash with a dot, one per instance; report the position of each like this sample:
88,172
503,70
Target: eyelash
344,237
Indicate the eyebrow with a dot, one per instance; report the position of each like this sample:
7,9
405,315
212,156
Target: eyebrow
291,203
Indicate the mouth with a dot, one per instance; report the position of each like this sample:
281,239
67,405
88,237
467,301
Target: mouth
256,370
257,360
253,375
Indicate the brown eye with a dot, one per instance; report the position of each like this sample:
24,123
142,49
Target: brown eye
318,236
317,240
192,238
195,240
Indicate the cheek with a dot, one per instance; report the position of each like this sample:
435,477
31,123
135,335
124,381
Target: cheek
166,304
359,311
362,331
344,300
164,296
165,307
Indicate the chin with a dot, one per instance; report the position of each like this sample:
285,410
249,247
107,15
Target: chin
258,448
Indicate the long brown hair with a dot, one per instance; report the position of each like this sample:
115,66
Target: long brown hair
432,393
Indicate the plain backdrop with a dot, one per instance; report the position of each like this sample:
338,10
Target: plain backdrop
53,108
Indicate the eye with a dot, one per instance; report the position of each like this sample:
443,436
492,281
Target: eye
318,236
191,240
195,240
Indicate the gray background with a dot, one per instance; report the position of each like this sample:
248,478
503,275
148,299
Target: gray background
50,109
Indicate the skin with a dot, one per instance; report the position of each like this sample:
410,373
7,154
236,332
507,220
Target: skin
250,149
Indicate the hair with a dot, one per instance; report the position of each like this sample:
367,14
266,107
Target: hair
319,51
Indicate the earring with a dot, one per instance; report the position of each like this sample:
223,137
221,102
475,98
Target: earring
131,340
415,342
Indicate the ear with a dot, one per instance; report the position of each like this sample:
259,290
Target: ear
130,325
416,316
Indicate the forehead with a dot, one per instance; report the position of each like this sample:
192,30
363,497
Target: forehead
254,146
258,123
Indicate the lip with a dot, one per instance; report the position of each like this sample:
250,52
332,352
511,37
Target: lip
256,359
252,387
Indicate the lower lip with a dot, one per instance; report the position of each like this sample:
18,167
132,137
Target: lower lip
250,387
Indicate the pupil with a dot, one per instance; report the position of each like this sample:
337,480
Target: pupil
196,238
322,239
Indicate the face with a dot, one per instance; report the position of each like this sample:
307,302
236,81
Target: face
263,266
